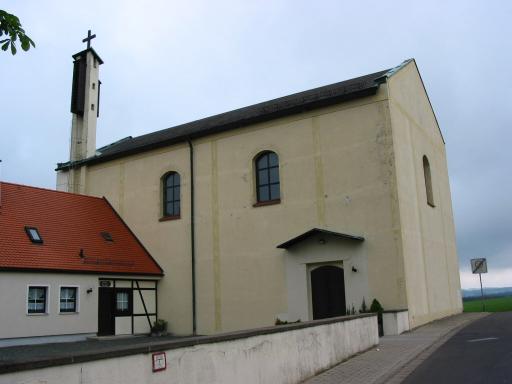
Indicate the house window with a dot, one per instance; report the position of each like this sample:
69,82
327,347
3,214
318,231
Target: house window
33,235
267,178
37,299
68,299
428,181
123,302
171,195
106,236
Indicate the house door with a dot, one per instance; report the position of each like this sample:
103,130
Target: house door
106,325
328,292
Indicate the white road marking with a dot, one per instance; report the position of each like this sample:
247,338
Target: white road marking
484,339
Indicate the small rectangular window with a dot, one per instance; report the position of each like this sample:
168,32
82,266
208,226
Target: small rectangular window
106,236
68,299
37,299
33,235
123,302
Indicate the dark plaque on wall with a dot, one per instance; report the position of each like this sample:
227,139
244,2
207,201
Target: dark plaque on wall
78,89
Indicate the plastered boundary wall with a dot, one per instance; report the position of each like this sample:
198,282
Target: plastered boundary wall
284,354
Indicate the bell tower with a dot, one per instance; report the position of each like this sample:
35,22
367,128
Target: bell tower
85,98
85,107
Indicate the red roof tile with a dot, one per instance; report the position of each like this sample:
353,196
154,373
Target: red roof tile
67,223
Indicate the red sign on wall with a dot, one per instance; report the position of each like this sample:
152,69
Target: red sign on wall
159,361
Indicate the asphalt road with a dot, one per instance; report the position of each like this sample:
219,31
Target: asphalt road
478,353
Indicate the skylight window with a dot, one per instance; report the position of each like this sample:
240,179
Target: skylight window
33,235
107,236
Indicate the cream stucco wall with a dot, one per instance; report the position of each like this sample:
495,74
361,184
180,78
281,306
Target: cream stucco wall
336,172
427,233
354,167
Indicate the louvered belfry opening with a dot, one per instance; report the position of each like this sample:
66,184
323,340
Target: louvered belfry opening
78,88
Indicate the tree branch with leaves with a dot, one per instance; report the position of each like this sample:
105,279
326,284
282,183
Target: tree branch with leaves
10,29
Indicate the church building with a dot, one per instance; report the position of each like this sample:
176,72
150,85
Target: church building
297,208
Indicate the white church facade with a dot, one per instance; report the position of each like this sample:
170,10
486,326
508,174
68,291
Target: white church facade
297,208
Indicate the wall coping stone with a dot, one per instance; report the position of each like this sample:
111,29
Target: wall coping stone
395,310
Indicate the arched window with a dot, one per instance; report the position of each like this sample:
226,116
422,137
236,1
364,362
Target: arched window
428,181
267,177
171,195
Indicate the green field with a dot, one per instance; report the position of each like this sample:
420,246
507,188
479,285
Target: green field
500,304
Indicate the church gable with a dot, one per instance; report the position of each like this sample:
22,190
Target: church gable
408,96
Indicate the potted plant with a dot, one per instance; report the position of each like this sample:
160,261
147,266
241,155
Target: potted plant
376,307
159,328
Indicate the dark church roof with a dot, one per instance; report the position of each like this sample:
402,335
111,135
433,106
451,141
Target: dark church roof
288,105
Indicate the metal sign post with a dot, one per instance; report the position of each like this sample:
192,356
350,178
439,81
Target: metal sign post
480,266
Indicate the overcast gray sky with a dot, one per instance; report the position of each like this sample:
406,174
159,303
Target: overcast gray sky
169,62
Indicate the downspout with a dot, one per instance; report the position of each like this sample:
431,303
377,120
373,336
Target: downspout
192,238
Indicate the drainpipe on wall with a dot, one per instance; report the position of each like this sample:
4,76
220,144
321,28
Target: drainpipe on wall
192,238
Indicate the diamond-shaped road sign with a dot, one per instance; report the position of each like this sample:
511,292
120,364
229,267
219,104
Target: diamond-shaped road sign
479,265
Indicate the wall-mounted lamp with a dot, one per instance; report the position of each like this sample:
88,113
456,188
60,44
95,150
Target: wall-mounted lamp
89,290
354,269
322,241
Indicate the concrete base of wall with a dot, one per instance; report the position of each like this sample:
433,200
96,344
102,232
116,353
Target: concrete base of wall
395,322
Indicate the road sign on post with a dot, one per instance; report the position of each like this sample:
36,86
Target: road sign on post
480,266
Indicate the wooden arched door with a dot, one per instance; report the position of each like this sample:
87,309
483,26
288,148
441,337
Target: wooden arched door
328,292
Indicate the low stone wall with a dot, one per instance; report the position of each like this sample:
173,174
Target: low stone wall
281,354
395,322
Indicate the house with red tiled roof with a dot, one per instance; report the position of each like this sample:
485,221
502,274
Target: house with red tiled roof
70,267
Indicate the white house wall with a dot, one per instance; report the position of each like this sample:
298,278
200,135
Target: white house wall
15,322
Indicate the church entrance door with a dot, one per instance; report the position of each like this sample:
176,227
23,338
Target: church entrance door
328,292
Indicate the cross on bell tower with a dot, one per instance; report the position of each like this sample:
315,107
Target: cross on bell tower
89,38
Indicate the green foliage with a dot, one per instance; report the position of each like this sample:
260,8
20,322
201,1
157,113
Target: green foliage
376,307
283,322
498,304
159,326
11,31
364,307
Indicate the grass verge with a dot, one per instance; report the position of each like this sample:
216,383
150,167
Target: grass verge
497,304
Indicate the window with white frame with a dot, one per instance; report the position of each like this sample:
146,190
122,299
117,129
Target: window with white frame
123,302
68,299
37,300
